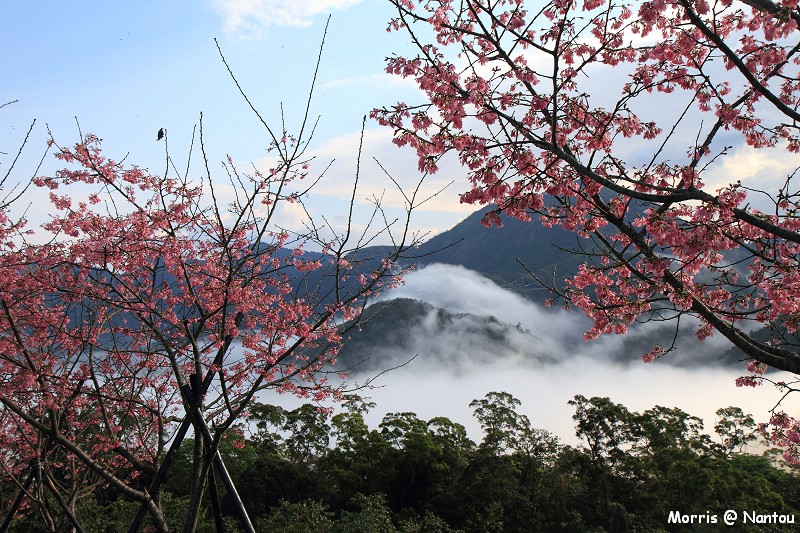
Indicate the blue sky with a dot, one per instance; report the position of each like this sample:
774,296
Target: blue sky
126,69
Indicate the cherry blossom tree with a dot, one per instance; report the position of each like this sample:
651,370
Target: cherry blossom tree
151,305
618,120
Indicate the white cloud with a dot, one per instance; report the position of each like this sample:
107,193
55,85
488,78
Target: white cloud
401,164
455,365
373,80
330,196
545,390
559,333
547,373
763,169
254,15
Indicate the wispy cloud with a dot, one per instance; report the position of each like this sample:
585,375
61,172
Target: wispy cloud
761,169
255,15
372,80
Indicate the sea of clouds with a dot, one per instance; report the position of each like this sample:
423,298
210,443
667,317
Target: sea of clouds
543,363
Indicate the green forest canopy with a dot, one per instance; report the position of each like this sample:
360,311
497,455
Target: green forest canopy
301,470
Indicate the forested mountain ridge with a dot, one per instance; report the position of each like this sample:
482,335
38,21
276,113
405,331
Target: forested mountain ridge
390,331
505,254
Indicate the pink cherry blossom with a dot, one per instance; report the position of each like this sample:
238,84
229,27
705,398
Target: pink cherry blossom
576,132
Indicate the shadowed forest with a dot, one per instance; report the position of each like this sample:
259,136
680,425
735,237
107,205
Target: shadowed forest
303,471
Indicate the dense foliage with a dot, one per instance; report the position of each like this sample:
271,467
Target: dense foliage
618,121
303,471
151,305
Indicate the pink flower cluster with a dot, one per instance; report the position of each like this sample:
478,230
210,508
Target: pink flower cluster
557,112
143,303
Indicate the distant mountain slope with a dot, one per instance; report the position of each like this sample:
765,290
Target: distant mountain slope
393,331
397,330
494,252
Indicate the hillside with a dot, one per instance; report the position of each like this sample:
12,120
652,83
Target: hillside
392,332
497,252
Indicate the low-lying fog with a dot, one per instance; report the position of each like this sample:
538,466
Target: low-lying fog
452,367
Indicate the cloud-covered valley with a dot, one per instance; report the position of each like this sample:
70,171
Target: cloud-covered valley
470,337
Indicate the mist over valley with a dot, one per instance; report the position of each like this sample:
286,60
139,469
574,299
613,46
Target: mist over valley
470,320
